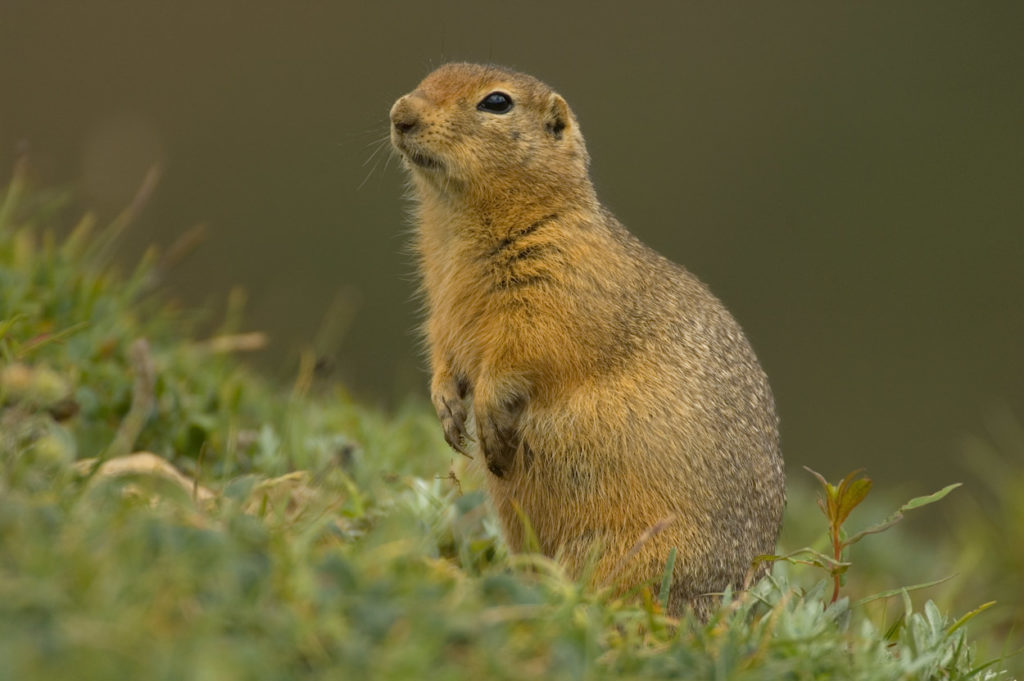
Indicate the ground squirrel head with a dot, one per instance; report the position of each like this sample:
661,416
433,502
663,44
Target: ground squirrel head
484,132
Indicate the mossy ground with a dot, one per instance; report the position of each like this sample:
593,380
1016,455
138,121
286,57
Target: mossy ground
316,538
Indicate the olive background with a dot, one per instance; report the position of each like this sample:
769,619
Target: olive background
846,176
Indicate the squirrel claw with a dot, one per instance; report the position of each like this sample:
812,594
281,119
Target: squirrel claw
456,440
452,414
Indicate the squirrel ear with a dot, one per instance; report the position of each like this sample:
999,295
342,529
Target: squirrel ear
558,118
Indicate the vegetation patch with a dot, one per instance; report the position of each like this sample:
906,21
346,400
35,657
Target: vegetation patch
165,513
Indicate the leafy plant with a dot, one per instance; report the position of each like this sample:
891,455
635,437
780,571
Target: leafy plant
836,503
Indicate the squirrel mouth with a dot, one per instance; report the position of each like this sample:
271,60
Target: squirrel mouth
412,154
424,161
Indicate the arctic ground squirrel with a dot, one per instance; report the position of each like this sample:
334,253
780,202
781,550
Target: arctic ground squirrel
618,408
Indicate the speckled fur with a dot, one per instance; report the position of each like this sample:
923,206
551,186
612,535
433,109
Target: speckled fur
606,388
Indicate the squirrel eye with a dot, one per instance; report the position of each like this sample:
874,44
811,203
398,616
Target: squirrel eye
496,102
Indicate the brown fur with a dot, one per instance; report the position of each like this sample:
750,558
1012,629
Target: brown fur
610,391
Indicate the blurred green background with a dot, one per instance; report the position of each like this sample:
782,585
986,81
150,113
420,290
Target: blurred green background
847,177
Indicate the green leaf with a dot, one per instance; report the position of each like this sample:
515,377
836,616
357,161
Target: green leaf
851,493
14,191
917,502
816,559
908,605
977,670
55,337
894,629
6,324
666,580
896,592
828,503
966,618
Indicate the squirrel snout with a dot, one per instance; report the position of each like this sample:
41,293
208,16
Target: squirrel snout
403,117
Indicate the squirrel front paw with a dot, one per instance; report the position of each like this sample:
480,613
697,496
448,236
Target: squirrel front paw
448,397
498,432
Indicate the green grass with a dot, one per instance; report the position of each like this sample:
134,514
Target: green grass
316,538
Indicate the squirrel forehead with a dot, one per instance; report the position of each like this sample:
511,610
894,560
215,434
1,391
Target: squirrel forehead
456,81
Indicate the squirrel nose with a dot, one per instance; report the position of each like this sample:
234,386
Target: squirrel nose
405,125
403,117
